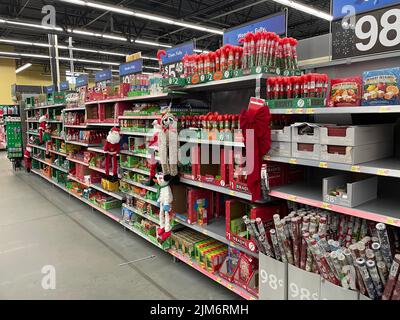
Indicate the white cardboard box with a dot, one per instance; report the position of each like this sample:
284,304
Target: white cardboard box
358,192
359,154
273,277
309,138
280,149
284,135
313,154
356,135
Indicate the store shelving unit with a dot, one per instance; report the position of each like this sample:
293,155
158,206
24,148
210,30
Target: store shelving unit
383,209
213,187
234,288
144,215
340,110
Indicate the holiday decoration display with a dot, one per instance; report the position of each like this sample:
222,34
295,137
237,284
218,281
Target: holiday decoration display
165,200
112,149
168,145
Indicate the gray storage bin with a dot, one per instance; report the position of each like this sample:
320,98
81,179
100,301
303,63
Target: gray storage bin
358,192
280,149
284,135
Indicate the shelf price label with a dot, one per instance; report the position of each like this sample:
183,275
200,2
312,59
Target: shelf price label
384,109
382,172
289,111
326,206
355,169
293,161
309,111
292,198
323,165
366,33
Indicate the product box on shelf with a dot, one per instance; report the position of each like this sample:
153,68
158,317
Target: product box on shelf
306,132
280,149
345,92
199,206
355,135
349,191
282,135
311,151
358,154
381,87
246,274
236,230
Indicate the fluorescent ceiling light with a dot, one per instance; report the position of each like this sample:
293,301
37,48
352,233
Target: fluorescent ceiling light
153,68
98,35
144,15
25,43
306,9
201,51
29,55
99,69
30,25
149,58
24,67
90,61
152,43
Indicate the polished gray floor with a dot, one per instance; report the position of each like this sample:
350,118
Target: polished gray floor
42,226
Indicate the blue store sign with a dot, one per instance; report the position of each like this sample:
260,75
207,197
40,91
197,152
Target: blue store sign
176,54
131,67
103,75
82,81
341,8
49,89
64,86
275,23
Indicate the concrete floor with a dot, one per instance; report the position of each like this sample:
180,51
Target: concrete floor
41,225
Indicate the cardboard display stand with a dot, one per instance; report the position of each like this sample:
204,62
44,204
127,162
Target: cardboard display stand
273,279
303,285
329,291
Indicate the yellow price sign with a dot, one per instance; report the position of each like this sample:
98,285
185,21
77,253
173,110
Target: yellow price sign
309,111
268,158
299,111
289,111
232,193
323,165
232,244
293,161
292,198
382,172
326,206
204,231
390,221
201,185
219,280
384,109
230,287
355,169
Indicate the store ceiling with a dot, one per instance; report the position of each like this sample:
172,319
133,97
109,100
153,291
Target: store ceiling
218,14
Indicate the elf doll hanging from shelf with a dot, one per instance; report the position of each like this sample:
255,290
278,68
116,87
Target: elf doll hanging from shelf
28,159
45,133
164,199
112,148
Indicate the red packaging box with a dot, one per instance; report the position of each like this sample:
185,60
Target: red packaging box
237,209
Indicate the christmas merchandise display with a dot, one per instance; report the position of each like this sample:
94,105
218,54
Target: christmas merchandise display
347,251
112,148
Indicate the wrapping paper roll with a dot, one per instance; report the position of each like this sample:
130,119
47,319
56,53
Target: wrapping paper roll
392,278
369,285
264,238
385,244
373,271
276,246
383,271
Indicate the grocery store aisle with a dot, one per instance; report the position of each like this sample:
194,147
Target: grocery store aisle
42,226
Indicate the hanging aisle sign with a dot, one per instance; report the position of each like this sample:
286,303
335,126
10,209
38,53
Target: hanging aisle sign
274,23
64,86
49,89
366,33
127,70
103,75
172,64
340,8
82,81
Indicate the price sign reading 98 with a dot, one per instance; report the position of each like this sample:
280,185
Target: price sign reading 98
368,33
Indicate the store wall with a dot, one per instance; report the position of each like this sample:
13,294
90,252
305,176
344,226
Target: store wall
7,77
34,76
